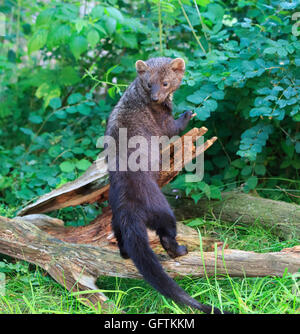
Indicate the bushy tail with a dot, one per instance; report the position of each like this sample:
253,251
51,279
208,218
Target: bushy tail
135,241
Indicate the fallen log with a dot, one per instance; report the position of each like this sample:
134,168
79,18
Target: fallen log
281,218
77,266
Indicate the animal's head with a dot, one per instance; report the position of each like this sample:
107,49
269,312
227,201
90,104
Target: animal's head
160,77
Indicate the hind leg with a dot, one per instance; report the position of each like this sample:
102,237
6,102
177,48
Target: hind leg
118,235
166,230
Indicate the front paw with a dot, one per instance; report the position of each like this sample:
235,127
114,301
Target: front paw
187,115
184,119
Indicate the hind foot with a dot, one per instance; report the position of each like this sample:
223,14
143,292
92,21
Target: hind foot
179,251
123,254
172,247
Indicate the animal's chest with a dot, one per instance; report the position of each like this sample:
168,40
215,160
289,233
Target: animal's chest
162,121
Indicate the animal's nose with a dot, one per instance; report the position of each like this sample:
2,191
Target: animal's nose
154,98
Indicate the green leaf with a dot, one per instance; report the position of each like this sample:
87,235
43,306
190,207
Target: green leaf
196,222
80,24
270,50
97,12
215,12
115,13
112,92
78,46
211,104
203,186
203,3
78,150
75,98
71,110
239,163
60,114
58,35
101,30
195,98
231,173
45,17
252,182
67,166
285,163
296,164
288,149
296,118
127,40
93,37
68,76
35,119
260,169
196,197
247,170
215,192
27,131
54,151
55,103
110,25
37,41
218,95
84,109
83,164
202,113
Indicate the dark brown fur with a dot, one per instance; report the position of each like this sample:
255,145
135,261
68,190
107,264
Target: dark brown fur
145,110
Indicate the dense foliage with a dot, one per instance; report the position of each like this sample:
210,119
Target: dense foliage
64,65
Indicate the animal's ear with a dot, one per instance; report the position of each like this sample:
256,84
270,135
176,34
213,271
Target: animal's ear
141,67
178,64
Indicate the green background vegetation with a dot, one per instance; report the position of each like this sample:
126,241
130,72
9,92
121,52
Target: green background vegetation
65,64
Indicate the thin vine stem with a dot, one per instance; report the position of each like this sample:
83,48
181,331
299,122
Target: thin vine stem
191,27
160,28
202,23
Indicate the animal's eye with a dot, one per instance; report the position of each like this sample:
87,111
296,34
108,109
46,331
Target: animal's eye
149,85
165,83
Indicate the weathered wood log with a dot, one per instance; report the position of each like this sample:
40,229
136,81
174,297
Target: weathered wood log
99,232
77,266
280,217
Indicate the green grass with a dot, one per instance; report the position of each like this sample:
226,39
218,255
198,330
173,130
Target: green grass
31,290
